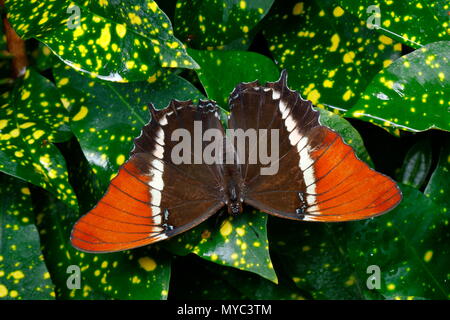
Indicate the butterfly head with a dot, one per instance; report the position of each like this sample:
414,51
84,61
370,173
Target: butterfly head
235,209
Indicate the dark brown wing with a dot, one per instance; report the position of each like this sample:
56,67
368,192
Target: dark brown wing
155,197
319,177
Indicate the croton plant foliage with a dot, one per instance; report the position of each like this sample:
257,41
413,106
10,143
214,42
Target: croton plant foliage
76,78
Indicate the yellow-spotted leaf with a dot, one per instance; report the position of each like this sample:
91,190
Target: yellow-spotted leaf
214,24
316,261
32,117
221,71
400,255
417,164
413,22
239,242
213,282
111,40
408,247
412,93
438,188
23,274
5,60
43,57
330,56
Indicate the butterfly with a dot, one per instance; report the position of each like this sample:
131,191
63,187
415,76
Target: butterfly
316,176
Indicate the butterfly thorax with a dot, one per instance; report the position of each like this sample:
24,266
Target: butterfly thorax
233,190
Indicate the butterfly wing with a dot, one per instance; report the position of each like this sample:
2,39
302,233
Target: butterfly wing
154,197
319,177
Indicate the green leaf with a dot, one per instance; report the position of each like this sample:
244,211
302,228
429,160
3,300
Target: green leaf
140,274
410,245
106,117
31,118
5,61
112,40
221,71
412,93
438,187
198,282
44,57
329,55
239,242
210,23
417,164
315,259
413,22
23,274
208,281
3,42
254,287
350,135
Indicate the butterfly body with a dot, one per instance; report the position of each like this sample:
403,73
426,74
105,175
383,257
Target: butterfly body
274,156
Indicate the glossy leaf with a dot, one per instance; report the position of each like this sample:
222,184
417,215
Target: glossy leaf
412,93
199,283
409,245
23,273
211,24
140,274
111,40
256,288
417,164
3,42
221,71
239,242
438,187
106,117
31,118
315,260
329,55
44,58
413,22
5,60
213,282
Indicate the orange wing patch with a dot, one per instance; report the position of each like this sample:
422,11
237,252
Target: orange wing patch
345,187
123,219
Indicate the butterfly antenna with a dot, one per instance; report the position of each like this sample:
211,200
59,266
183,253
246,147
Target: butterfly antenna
283,78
